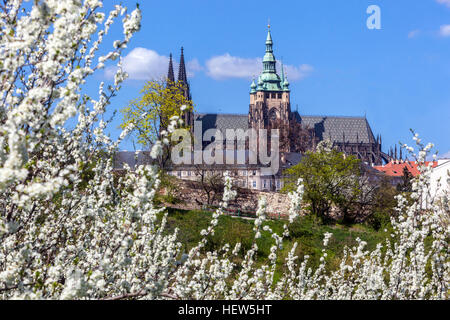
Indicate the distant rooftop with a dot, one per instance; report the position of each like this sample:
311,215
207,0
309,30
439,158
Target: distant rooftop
395,169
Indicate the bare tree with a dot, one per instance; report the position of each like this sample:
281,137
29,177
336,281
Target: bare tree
294,137
211,182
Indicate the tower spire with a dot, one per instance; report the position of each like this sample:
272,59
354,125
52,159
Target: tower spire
269,59
182,76
182,68
170,74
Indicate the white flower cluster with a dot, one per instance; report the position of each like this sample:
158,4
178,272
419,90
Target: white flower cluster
72,228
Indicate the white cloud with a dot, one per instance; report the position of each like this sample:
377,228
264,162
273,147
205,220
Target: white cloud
227,66
445,30
298,73
445,2
413,34
192,67
146,64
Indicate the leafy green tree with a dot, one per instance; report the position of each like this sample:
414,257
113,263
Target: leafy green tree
383,206
330,178
151,112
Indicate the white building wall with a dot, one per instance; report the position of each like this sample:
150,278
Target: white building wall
440,181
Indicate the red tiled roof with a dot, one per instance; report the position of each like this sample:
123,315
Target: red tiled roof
395,169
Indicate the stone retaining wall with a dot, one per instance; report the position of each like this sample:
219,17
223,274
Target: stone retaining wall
192,196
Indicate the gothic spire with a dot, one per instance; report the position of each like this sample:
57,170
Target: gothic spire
182,76
170,74
182,69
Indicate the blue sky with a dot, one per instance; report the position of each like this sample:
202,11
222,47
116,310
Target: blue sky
399,76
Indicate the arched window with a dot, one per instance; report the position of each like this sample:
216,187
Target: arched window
273,114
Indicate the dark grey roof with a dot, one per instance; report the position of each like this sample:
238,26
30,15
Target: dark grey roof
222,121
292,158
355,129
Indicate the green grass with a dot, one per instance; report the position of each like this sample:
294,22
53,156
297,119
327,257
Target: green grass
307,231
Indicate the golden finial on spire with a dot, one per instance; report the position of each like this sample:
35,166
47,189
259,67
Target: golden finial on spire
268,24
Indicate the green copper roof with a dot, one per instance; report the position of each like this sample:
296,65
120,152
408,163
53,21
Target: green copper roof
253,86
269,80
284,80
286,84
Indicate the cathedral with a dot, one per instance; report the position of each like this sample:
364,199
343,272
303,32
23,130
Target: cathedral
270,103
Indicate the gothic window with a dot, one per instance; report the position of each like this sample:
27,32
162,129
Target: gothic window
267,96
279,96
273,114
274,95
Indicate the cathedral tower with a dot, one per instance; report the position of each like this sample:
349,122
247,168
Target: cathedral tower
270,95
170,74
188,116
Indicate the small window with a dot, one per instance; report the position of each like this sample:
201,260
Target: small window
279,96
254,172
254,184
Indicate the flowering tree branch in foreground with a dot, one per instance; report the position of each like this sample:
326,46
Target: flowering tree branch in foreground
71,229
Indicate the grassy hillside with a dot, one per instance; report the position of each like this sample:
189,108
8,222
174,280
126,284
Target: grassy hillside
307,231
